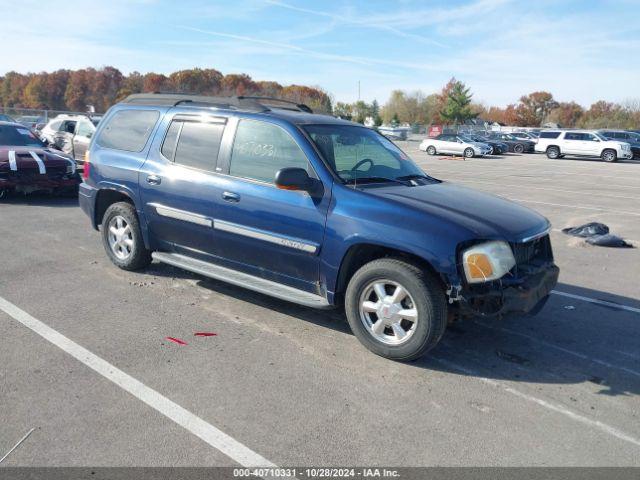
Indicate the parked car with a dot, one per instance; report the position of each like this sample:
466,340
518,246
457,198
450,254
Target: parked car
524,136
516,145
27,165
497,147
583,143
632,138
71,133
454,145
31,121
310,209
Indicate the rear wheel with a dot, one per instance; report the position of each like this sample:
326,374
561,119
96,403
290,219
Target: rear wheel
609,156
396,309
122,237
431,150
468,152
518,148
553,153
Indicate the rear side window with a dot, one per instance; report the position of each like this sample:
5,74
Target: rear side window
549,134
193,144
128,130
573,136
261,149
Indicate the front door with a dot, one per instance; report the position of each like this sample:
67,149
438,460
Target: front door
82,138
179,187
259,228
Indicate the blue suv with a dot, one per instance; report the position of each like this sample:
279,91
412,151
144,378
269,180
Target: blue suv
264,194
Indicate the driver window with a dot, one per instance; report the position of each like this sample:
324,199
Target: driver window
84,130
260,149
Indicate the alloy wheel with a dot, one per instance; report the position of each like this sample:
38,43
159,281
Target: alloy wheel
388,312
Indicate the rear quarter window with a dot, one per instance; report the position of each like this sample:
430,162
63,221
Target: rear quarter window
128,130
549,134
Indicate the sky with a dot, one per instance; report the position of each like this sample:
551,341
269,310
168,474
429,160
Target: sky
580,50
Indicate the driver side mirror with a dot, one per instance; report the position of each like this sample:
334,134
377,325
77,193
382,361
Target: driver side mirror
293,178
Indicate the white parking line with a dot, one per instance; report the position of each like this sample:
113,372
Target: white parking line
191,422
621,212
559,348
597,302
554,189
544,403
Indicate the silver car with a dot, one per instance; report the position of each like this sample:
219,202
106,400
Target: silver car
454,145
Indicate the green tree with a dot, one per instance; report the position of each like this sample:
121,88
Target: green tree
457,106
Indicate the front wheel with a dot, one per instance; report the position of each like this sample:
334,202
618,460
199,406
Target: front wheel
396,309
468,152
431,150
609,156
518,148
122,238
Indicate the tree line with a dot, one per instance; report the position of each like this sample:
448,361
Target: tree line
454,105
74,90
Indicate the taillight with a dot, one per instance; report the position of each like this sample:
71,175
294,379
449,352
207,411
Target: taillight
85,170
87,165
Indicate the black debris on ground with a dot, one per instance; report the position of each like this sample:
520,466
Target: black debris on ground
597,234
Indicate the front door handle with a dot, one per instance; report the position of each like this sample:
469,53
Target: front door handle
230,197
154,180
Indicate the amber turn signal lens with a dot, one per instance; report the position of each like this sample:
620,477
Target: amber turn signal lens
479,266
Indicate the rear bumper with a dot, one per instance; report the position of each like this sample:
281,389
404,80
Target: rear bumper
87,199
45,182
524,295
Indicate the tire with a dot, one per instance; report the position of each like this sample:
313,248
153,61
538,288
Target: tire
609,156
518,148
126,248
491,152
425,300
469,153
553,153
431,150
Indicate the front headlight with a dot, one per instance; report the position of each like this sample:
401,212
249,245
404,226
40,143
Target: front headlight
487,261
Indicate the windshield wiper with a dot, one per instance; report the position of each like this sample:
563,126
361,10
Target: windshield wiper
416,176
355,181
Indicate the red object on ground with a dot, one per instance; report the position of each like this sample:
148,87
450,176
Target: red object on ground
205,334
177,340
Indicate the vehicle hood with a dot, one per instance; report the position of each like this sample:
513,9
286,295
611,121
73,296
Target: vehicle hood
24,160
484,216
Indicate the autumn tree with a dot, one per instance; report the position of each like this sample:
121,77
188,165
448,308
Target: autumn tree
534,108
566,114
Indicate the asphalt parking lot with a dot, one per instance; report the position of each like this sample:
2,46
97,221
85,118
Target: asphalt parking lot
292,385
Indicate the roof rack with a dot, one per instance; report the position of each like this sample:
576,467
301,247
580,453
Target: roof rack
246,103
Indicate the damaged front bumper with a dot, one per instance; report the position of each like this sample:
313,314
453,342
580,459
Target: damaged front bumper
525,293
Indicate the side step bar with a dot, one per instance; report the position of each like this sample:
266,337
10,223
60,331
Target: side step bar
267,287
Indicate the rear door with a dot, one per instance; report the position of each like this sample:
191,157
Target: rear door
179,186
572,143
82,138
259,228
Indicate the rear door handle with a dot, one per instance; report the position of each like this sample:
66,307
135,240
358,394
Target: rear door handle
154,180
230,197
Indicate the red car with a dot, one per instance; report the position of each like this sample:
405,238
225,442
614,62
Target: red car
28,165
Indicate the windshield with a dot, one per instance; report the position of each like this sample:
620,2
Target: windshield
359,153
600,136
18,137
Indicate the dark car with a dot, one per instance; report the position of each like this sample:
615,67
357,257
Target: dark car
524,136
311,209
516,145
32,121
28,165
632,138
498,147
